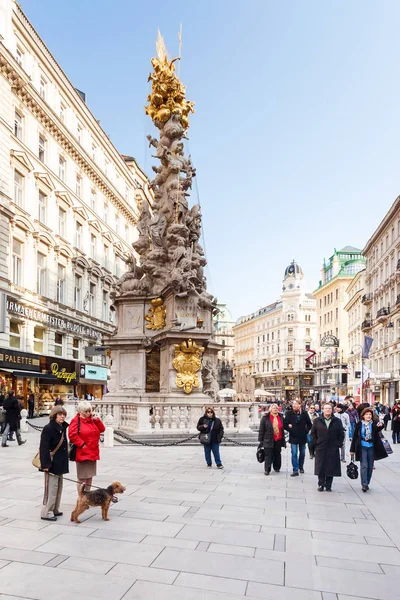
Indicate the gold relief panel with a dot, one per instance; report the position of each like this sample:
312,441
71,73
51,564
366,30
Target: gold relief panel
156,316
187,363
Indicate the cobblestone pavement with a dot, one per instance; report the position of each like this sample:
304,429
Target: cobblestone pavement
182,531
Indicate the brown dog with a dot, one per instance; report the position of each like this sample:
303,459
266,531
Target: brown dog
99,497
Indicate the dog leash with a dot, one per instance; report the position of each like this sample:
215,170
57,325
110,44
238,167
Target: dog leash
114,498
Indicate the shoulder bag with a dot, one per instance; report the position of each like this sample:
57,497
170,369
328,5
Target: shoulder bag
205,437
72,447
36,458
387,446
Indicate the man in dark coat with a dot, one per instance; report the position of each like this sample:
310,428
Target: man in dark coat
272,438
298,424
12,420
327,435
31,405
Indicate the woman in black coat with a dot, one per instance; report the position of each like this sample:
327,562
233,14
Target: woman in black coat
211,424
367,446
327,435
271,436
12,419
396,422
54,462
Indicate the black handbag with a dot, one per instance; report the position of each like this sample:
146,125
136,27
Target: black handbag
352,470
72,447
260,454
205,436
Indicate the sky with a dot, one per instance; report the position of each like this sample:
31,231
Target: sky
297,126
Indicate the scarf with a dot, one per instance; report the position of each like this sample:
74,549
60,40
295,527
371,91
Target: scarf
276,426
368,431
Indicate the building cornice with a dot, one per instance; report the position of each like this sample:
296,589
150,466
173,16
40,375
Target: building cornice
382,225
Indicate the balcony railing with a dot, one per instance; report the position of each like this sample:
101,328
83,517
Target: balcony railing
383,312
367,324
367,298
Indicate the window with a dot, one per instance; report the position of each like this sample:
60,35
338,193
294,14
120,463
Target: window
93,200
18,125
337,294
17,263
126,192
105,257
127,232
42,207
18,188
106,167
78,186
78,234
290,331
58,344
19,56
62,218
90,345
79,133
63,109
105,306
75,348
41,273
61,284
38,339
105,212
15,334
308,332
116,223
290,347
94,150
92,299
78,292
42,148
61,168
93,244
42,87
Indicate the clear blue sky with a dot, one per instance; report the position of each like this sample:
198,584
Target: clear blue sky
296,131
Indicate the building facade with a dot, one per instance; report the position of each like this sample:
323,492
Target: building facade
355,309
223,324
69,205
273,344
330,365
382,304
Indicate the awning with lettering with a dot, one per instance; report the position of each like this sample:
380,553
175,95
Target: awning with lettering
33,375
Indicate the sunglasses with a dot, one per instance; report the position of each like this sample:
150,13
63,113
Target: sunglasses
209,412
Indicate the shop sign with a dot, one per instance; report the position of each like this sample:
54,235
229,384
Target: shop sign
13,359
330,341
59,323
93,372
62,373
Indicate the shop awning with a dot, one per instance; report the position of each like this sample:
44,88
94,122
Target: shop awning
32,374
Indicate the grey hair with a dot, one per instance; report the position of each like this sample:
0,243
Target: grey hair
83,405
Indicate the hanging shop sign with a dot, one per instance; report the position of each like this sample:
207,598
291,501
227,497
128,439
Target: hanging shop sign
329,341
93,372
62,369
13,359
54,322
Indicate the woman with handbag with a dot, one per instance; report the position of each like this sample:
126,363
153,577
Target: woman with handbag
84,433
53,452
396,422
211,434
271,436
367,446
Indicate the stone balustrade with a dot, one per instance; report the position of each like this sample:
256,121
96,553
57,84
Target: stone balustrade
150,417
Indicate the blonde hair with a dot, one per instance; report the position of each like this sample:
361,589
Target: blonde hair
83,406
57,410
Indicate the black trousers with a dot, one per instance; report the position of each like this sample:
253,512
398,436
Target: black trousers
325,481
273,457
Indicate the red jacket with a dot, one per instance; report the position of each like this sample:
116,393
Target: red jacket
87,441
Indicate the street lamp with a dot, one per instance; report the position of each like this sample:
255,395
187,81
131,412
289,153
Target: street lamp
362,369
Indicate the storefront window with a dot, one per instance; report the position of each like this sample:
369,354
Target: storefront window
38,339
75,348
58,344
15,334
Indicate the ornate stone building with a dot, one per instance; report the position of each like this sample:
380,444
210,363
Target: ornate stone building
69,205
356,315
272,345
223,324
330,365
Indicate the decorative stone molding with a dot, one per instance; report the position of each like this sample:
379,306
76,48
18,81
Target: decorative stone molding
44,179
21,160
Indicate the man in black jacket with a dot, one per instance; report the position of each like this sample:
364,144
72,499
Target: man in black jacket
298,424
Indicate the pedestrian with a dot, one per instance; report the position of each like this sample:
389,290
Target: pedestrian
31,404
367,446
327,438
354,418
84,432
271,436
345,419
59,401
298,424
313,415
210,423
54,462
396,422
317,408
386,415
12,419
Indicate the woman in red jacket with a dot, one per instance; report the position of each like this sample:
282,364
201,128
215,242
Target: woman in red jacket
84,432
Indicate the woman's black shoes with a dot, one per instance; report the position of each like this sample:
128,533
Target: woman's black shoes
58,514
49,518
321,488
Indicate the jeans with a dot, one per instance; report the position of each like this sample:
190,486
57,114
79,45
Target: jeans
367,465
273,457
214,448
351,430
396,437
6,432
309,444
298,455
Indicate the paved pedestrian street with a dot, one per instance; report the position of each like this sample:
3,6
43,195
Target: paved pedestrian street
185,532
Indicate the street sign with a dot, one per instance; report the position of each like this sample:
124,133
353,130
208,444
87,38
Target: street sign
96,350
